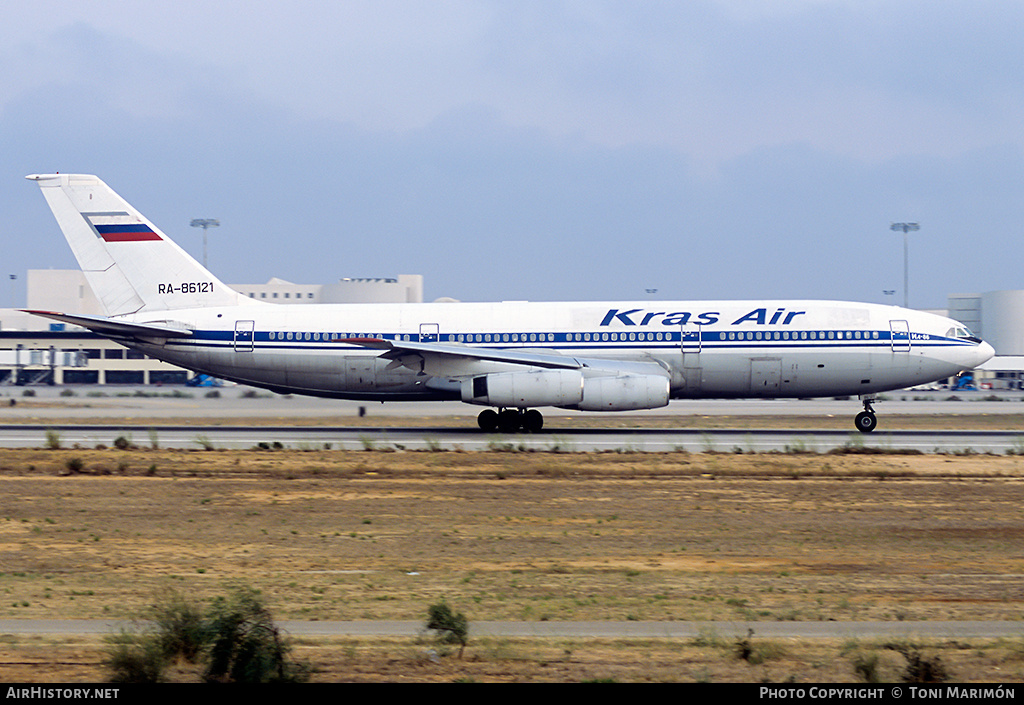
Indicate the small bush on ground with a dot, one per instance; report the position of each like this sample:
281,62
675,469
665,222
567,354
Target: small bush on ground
235,641
134,659
451,627
245,644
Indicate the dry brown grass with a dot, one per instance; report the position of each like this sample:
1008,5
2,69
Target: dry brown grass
340,535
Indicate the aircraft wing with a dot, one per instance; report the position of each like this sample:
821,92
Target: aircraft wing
110,326
396,350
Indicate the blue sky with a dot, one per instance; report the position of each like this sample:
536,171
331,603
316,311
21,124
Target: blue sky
537,150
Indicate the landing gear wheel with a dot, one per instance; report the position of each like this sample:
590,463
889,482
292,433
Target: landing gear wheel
533,421
509,421
865,422
488,420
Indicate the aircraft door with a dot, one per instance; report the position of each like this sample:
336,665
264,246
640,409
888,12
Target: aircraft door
244,334
765,376
900,337
430,332
360,372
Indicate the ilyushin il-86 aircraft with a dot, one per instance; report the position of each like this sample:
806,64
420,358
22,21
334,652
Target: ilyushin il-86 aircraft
511,357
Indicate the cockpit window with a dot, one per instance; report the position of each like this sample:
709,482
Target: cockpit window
963,333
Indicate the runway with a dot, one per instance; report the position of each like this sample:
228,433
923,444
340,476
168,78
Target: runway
581,630
80,404
242,418
469,438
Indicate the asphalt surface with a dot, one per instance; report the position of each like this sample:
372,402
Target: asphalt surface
469,438
191,418
584,630
181,403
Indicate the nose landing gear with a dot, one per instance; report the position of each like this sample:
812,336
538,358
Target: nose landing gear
865,421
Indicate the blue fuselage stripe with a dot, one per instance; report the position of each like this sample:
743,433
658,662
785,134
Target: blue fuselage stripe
575,341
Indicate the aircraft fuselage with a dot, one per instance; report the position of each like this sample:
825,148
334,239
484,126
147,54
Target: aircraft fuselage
707,349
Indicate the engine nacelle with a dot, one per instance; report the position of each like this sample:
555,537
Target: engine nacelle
568,389
525,389
624,393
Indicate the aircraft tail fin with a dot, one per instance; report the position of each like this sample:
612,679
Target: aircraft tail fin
130,264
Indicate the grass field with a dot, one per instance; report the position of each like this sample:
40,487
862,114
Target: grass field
341,535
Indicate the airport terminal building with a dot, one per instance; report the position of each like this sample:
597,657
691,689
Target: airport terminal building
998,318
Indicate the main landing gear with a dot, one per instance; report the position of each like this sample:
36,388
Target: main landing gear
510,420
865,421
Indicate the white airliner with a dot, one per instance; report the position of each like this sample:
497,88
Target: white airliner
510,356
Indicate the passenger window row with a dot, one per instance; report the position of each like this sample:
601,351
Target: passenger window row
643,336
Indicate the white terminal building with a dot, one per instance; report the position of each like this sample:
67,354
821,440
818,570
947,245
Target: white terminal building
997,317
34,350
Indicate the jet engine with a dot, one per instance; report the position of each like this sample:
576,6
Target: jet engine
569,389
624,393
525,389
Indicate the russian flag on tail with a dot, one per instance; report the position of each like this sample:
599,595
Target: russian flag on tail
126,233
112,228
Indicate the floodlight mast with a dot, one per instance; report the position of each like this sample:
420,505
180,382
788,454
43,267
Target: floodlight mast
205,224
905,228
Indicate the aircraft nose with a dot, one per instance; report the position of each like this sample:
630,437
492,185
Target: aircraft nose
982,354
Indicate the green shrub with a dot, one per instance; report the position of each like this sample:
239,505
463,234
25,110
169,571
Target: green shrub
181,629
134,659
245,646
451,627
235,641
919,668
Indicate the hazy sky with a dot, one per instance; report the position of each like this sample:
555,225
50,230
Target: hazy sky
536,150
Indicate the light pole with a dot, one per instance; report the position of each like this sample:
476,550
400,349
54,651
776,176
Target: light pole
205,224
906,228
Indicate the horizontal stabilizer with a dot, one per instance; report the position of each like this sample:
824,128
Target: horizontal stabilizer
109,326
